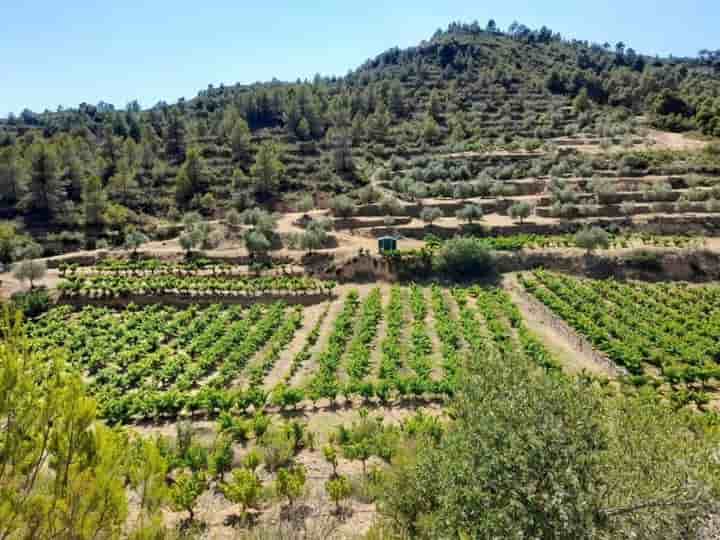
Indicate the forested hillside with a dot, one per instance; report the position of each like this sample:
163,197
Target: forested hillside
468,88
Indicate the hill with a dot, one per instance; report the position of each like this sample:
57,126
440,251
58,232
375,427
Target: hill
467,89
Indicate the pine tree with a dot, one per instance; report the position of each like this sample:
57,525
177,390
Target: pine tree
240,140
13,176
581,103
292,117
341,142
46,190
192,177
436,105
175,139
303,129
315,121
94,201
122,186
430,130
64,471
396,99
267,169
378,124
111,150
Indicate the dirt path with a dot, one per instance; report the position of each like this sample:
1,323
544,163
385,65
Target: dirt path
307,369
9,285
431,326
576,355
277,374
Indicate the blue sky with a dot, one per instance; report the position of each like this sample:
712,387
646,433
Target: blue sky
62,53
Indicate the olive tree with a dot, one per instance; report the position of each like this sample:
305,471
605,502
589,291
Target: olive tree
134,240
30,270
430,214
520,211
592,238
470,213
257,243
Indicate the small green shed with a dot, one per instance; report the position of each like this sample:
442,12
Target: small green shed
387,243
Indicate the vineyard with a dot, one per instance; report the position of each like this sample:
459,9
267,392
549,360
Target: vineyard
665,335
615,241
101,285
162,362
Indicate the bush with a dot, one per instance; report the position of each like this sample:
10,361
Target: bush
233,217
645,260
32,303
343,206
561,433
464,258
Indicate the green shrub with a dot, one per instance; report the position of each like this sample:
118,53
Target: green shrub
464,258
32,303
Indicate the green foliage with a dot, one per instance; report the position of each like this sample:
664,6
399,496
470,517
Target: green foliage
520,211
64,472
46,188
368,437
256,242
338,489
221,457
32,303
134,240
592,457
12,242
267,169
244,489
191,179
290,483
240,140
464,258
592,238
470,213
343,206
430,214
94,201
186,491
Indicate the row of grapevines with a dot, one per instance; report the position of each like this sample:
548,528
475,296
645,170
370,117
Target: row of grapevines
420,344
304,355
277,344
253,342
324,381
391,345
358,354
123,286
472,331
448,332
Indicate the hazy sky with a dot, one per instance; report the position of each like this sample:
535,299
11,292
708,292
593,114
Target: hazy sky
62,53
